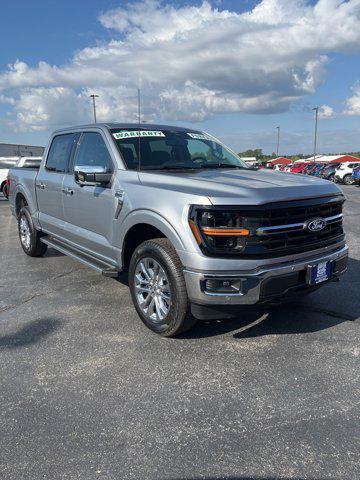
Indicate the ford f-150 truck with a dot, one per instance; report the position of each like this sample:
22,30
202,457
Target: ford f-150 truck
200,233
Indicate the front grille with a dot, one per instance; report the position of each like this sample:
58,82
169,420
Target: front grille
280,229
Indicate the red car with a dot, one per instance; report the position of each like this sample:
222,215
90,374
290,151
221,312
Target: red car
282,168
298,167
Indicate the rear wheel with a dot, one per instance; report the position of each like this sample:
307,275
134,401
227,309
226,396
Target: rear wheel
4,191
158,288
29,236
348,180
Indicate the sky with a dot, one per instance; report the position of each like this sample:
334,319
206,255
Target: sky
236,69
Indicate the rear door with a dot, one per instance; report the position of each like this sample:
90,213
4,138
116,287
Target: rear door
89,210
49,183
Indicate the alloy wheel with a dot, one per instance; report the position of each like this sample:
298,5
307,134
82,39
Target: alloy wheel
349,180
25,234
152,290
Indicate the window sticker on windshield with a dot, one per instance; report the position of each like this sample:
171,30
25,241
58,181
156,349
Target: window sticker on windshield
198,136
137,133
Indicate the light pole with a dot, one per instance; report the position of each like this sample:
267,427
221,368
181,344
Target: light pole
278,141
316,127
94,105
139,106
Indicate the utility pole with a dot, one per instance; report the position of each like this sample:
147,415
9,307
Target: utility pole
94,105
278,141
316,127
139,106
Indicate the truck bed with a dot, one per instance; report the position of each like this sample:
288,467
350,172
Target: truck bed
22,180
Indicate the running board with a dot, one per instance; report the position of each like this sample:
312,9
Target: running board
104,268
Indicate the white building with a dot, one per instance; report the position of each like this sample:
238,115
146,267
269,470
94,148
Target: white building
249,160
19,150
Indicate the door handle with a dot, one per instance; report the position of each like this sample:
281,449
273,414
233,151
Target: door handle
41,185
67,191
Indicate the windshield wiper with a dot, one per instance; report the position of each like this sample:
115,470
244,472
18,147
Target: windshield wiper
193,167
221,165
172,167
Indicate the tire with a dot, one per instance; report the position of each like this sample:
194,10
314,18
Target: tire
348,180
165,309
4,191
29,236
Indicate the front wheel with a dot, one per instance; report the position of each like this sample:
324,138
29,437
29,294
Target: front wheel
158,288
348,180
29,236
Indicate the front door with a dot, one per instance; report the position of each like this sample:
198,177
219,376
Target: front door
89,210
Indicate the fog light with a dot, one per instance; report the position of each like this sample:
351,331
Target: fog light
223,285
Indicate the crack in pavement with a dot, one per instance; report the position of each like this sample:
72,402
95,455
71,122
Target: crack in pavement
40,294
26,300
60,275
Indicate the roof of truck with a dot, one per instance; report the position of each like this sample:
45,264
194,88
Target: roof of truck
142,126
149,126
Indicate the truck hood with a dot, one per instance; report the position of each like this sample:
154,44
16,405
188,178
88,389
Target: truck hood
241,187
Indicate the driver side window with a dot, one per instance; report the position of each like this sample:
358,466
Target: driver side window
92,152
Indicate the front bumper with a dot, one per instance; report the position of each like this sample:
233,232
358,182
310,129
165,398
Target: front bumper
263,284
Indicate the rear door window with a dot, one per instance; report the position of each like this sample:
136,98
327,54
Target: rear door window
60,152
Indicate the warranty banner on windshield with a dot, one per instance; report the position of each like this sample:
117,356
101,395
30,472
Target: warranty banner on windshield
137,133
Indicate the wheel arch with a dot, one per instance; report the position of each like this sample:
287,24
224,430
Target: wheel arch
143,225
20,201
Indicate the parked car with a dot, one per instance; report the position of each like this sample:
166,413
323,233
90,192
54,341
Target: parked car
5,164
308,168
199,232
317,170
284,168
8,162
328,172
343,174
297,167
29,162
356,175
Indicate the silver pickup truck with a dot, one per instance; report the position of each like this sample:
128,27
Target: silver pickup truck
200,233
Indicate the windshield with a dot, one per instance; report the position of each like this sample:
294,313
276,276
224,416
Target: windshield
166,149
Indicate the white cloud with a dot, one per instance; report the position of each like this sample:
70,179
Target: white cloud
353,102
326,112
5,99
191,62
43,108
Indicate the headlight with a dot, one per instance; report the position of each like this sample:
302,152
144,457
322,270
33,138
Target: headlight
218,231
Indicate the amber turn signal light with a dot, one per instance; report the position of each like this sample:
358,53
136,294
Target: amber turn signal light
225,232
195,231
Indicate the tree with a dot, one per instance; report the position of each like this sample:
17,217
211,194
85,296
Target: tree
257,152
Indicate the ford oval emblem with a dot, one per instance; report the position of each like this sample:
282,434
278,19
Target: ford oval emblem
316,225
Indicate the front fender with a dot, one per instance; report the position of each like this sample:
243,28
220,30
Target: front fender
154,219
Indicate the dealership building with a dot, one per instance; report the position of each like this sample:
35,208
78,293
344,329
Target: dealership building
16,150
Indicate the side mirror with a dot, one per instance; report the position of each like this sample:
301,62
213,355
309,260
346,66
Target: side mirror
92,175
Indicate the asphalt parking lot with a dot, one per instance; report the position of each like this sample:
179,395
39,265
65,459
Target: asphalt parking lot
87,392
